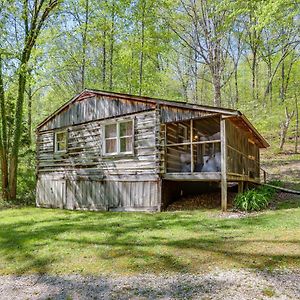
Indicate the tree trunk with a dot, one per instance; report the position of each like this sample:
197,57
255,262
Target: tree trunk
297,125
37,20
282,89
3,140
216,71
253,70
17,128
104,60
196,77
284,127
29,115
4,175
142,48
84,45
270,84
112,39
217,89
236,84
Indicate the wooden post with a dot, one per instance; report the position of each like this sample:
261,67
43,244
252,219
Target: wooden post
240,187
223,166
192,150
265,176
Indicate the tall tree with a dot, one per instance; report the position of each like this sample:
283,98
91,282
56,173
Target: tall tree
204,27
34,15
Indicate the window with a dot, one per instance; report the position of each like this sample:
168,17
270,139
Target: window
118,138
61,141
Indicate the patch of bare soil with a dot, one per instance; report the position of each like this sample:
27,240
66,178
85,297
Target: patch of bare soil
205,200
231,214
282,166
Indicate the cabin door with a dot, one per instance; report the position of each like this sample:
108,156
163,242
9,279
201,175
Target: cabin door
59,191
53,192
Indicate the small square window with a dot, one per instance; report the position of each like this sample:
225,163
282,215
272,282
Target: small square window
60,141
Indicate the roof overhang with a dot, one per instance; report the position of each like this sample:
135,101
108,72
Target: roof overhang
87,93
243,123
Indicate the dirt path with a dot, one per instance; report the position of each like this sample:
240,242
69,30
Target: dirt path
238,284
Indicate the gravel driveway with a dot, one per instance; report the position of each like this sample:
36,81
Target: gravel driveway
238,284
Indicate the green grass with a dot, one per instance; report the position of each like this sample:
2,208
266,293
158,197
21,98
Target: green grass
269,292
63,242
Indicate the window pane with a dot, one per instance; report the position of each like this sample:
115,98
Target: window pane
126,144
110,145
61,146
111,131
61,141
60,136
126,129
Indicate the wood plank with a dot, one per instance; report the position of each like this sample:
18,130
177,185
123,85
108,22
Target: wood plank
203,176
223,166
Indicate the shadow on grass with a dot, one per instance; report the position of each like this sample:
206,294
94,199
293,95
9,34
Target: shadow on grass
40,241
77,287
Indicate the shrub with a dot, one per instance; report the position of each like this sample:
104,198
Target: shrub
254,199
278,183
26,178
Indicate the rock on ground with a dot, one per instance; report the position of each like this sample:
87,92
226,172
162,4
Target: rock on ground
234,284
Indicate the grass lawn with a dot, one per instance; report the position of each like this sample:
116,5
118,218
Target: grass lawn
60,242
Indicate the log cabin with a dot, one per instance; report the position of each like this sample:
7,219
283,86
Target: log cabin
118,152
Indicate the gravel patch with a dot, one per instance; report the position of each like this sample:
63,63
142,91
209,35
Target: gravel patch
234,284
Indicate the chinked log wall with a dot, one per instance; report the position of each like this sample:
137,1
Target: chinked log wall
82,178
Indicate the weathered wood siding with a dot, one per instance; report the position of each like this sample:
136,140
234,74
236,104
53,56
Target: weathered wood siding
94,108
173,114
101,107
97,195
93,181
242,153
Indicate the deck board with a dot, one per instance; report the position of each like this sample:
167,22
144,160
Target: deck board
203,176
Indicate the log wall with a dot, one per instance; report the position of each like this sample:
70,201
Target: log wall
82,178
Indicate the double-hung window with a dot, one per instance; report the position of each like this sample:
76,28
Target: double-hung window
118,138
60,141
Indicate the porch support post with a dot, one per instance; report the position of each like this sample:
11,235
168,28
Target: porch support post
192,149
240,187
223,166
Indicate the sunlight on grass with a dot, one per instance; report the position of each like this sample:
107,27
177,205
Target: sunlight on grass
56,241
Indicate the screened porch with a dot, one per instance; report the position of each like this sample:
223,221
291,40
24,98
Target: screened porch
193,149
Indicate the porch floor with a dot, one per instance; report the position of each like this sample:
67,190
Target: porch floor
208,176
203,176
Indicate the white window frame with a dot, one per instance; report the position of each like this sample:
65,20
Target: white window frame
118,138
55,141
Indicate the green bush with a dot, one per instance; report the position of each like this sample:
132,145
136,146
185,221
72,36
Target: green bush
254,199
26,178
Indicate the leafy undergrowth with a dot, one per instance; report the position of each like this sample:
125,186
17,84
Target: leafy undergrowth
64,242
254,199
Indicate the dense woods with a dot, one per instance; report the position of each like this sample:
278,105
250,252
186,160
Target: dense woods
240,54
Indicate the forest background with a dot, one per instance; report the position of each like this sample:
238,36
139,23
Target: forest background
241,54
